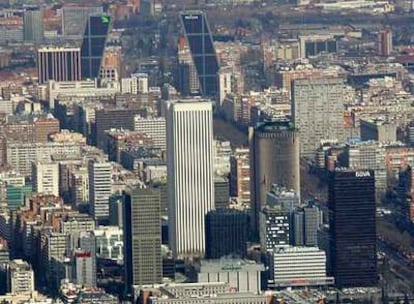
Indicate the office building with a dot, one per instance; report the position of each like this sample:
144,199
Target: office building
21,155
385,42
93,45
16,196
33,30
299,266
352,228
112,59
4,260
20,277
190,175
225,78
283,198
297,236
154,127
240,175
241,275
369,155
110,243
59,64
317,110
100,180
45,127
74,19
200,42
142,237
74,224
305,224
274,228
106,119
79,186
54,250
313,45
45,178
187,80
201,293
84,268
227,232
274,158
136,84
221,192
379,130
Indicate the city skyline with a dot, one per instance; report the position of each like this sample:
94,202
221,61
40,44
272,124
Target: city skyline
212,151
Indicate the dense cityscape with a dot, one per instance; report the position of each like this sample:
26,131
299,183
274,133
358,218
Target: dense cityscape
206,151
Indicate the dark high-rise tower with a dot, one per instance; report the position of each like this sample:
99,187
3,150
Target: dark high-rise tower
198,35
352,228
226,233
93,44
142,237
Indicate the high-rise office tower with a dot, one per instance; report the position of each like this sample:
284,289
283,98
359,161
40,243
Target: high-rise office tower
274,157
33,30
311,224
352,228
385,42
142,237
297,237
226,233
305,223
274,228
93,44
190,174
240,175
317,110
74,19
84,268
59,64
100,179
45,178
87,244
198,35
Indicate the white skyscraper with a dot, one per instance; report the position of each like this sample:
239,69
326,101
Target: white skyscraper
190,175
45,178
100,179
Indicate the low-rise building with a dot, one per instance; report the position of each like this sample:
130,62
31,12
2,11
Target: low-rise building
241,275
299,266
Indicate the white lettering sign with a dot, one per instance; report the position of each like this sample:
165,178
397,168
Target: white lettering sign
362,174
191,17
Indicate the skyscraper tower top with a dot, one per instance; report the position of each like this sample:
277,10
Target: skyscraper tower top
274,155
197,32
93,45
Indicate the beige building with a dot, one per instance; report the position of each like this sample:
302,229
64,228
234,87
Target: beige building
20,277
45,178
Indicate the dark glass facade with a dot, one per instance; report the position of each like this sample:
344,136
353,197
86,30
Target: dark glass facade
313,48
226,233
142,237
93,44
200,42
352,228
